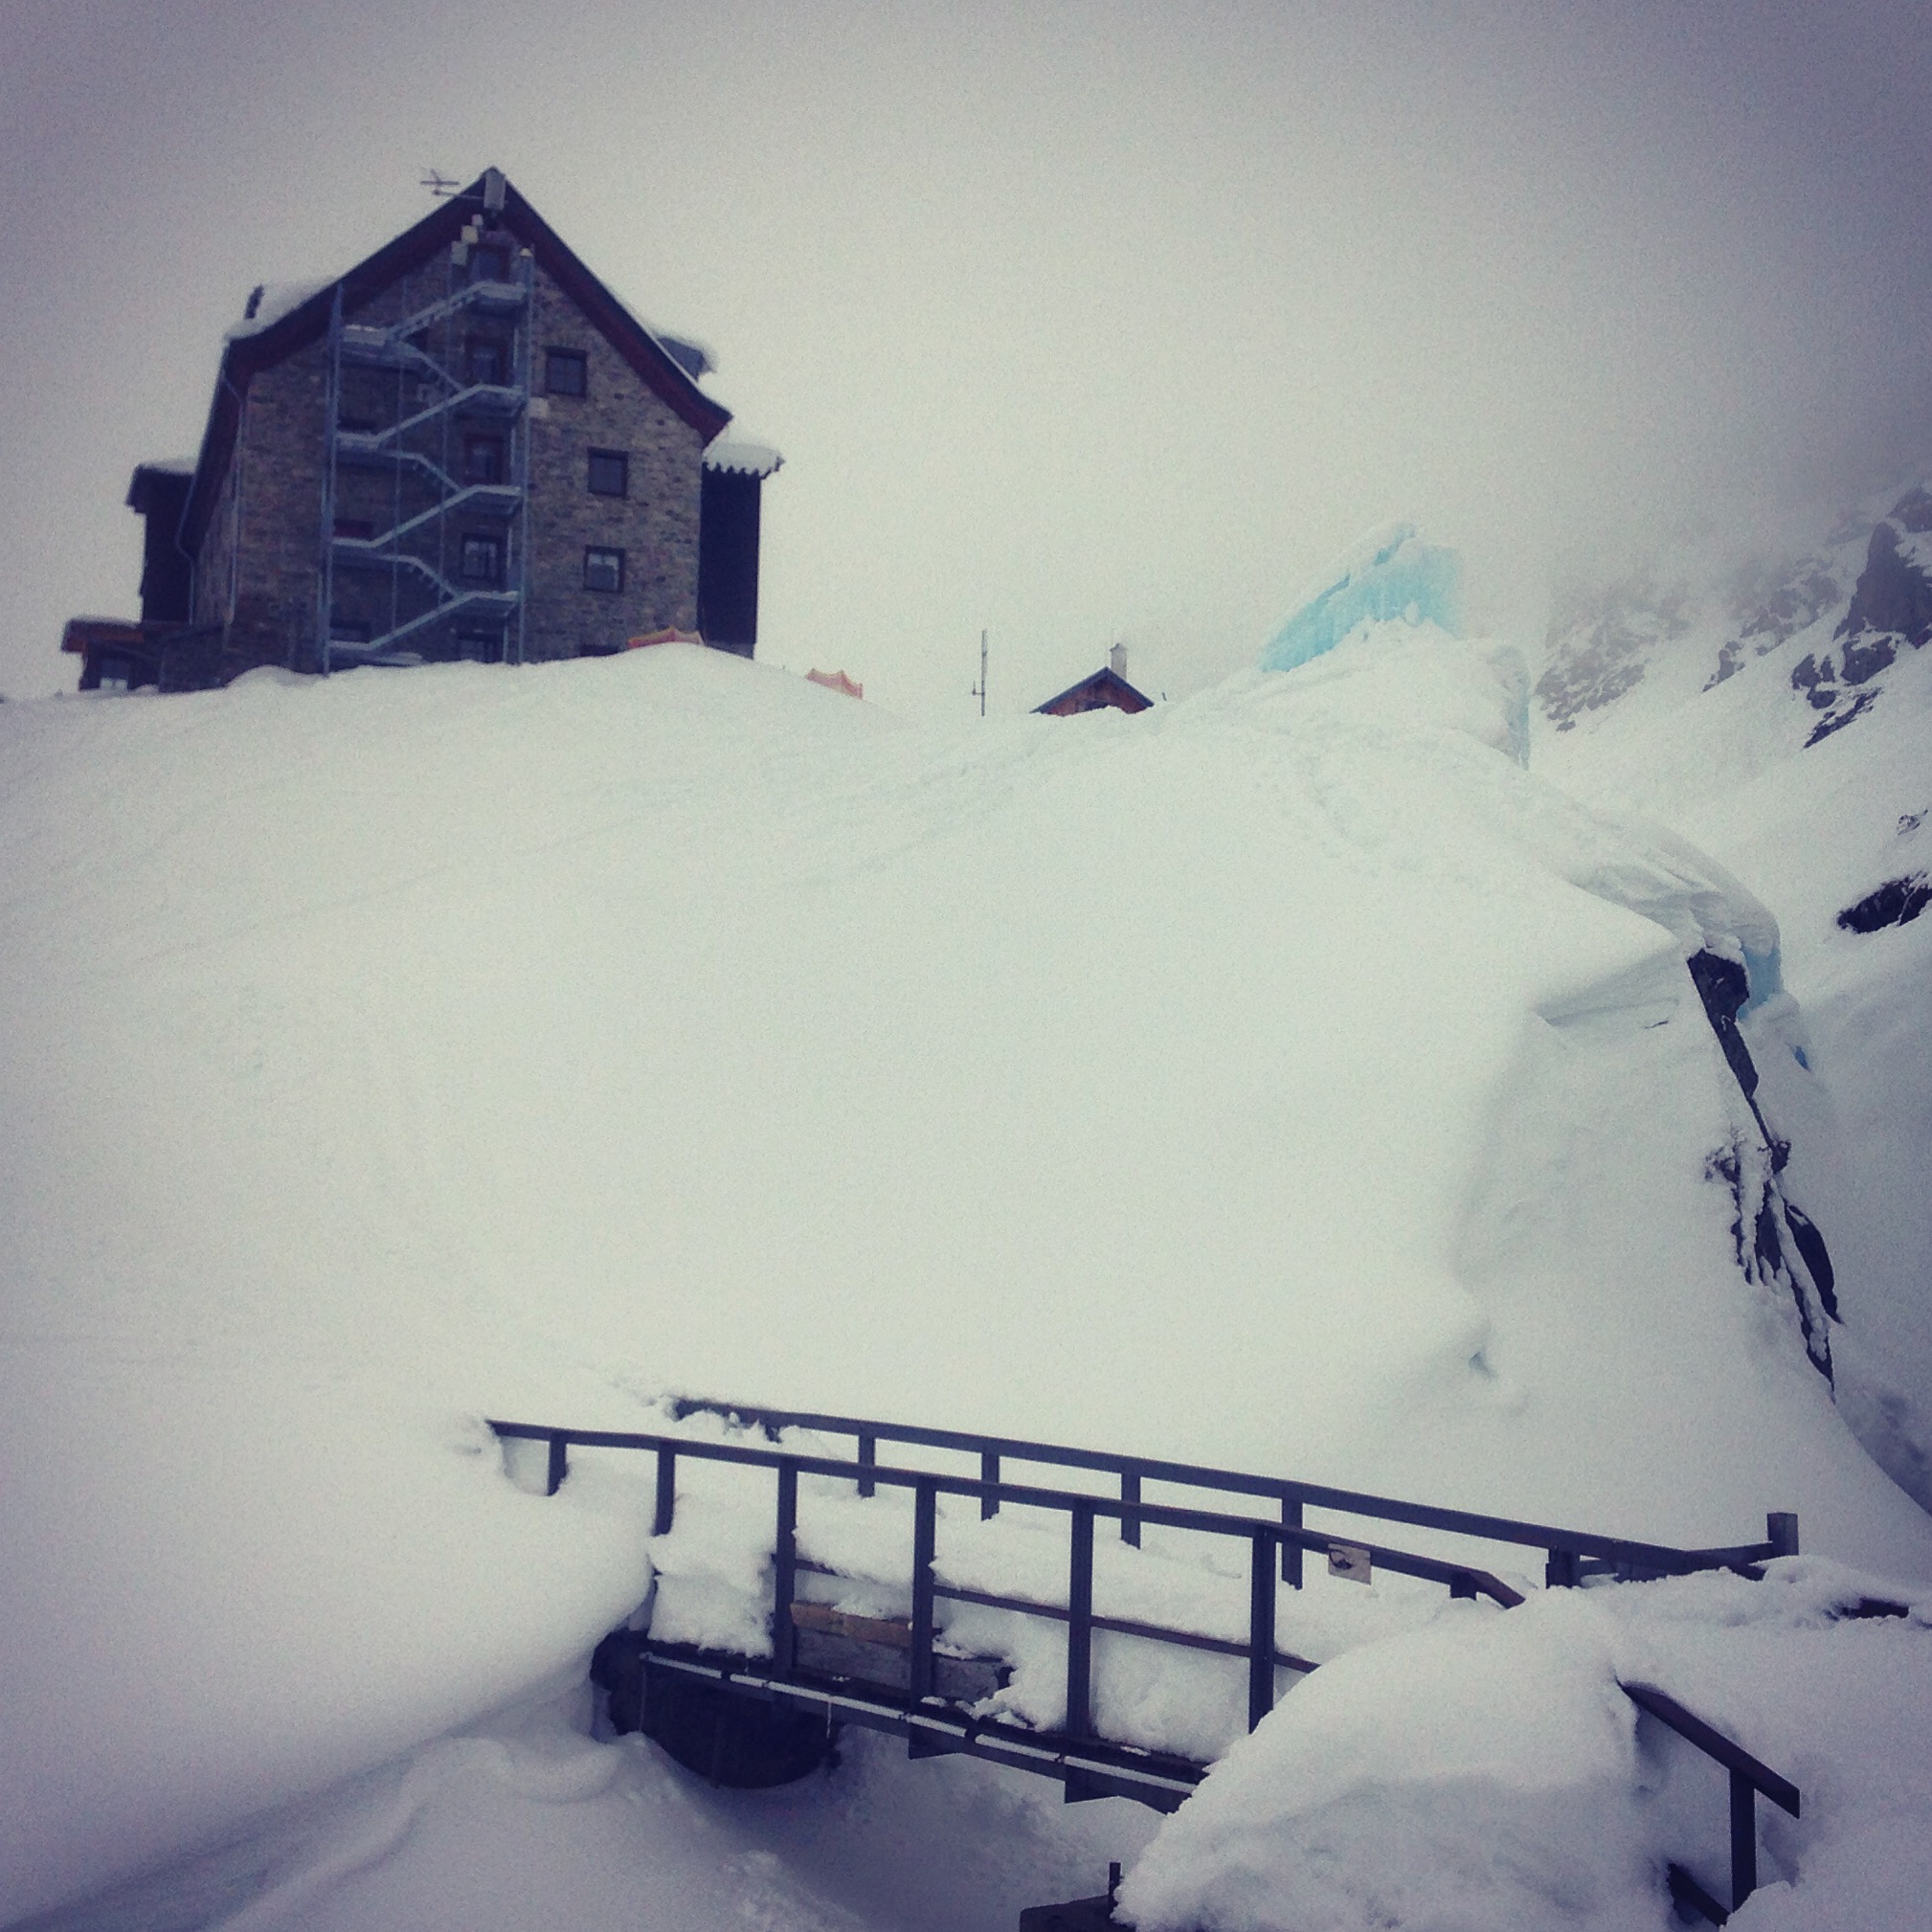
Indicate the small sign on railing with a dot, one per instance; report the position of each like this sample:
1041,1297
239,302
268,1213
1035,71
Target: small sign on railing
1351,1562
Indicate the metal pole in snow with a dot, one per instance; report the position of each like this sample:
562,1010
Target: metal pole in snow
982,674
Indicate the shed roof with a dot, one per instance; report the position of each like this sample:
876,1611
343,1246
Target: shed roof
1106,687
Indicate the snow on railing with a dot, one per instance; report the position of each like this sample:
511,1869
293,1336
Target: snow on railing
1749,1776
1076,1751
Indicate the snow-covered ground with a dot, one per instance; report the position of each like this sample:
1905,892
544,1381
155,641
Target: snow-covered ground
1283,1078
1812,827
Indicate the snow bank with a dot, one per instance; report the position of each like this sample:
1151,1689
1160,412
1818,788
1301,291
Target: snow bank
1286,1078
1492,1772
1814,828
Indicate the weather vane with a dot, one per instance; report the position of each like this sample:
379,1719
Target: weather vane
439,183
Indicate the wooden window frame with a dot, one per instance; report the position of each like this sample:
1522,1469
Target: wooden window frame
621,458
577,359
495,544
473,442
603,550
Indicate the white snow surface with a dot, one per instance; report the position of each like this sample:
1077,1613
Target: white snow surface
1494,1774
1285,1078
1813,829
742,456
277,299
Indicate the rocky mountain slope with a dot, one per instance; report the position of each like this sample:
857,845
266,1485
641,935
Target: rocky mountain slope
1779,712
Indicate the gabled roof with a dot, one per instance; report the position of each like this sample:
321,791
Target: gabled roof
307,321
1106,687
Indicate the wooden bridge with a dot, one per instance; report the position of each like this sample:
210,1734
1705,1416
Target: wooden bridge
743,1719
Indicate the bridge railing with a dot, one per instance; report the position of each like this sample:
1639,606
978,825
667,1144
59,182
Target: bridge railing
1570,1555
1275,1546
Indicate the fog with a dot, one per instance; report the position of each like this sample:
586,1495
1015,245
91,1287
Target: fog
1075,323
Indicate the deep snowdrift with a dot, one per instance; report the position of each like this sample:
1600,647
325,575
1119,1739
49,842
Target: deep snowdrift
1280,1078
1693,703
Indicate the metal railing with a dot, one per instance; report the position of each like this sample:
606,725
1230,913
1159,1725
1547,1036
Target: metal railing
1571,1555
1749,1776
1275,1551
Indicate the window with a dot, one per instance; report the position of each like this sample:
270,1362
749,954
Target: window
482,648
610,473
603,568
487,360
483,559
483,459
490,262
564,371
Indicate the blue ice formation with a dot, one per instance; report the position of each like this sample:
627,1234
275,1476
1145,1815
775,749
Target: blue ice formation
1391,574
1764,975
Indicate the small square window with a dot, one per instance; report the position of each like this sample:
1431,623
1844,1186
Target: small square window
483,559
483,459
489,262
610,473
566,371
603,568
486,359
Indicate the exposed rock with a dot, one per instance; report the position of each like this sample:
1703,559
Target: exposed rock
1777,1243
1771,611
1898,902
1891,610
1600,642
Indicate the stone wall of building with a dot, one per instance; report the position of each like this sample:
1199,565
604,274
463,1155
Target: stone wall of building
255,571
655,524
259,570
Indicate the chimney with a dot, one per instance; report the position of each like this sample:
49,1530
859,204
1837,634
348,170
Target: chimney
1116,661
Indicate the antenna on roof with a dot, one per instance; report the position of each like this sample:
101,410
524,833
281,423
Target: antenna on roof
439,183
978,690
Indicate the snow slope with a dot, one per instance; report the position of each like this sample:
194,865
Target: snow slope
1711,726
1284,1078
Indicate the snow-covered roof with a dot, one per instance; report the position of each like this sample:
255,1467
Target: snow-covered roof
740,455
170,465
284,317
268,302
695,358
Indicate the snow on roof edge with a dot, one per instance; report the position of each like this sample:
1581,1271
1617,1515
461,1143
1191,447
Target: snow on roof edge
741,456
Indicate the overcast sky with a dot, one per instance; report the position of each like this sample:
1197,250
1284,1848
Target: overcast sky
1072,321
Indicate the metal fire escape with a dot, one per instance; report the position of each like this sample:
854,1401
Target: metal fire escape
442,570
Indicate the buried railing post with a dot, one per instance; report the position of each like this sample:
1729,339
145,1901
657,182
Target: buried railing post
668,1491
925,1547
785,1573
1290,1551
1130,1494
1261,1627
1781,1532
868,1456
1743,1838
989,1472
1562,1571
1080,1621
559,1465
